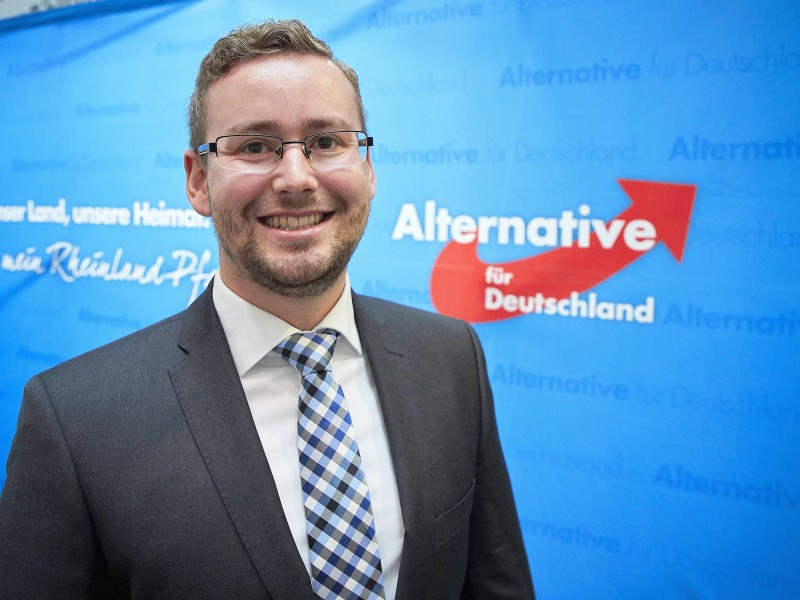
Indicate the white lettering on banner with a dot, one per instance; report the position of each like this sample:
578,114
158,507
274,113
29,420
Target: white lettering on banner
12,214
22,261
161,216
101,215
143,214
438,225
67,262
573,306
38,213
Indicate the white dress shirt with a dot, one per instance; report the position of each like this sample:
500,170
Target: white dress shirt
272,387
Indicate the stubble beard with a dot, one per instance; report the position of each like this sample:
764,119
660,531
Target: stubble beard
307,274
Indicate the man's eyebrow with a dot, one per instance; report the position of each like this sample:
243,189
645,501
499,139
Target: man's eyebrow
272,127
328,124
254,127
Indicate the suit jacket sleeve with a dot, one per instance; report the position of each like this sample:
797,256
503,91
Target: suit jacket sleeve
497,564
47,545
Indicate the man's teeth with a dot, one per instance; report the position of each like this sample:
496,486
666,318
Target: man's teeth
290,223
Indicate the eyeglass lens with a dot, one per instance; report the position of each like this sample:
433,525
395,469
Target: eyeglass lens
260,153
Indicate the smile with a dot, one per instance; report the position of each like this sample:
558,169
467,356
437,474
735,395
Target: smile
292,223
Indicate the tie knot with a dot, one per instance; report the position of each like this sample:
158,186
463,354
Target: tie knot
309,351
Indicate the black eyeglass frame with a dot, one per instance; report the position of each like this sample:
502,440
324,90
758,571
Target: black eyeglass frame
208,147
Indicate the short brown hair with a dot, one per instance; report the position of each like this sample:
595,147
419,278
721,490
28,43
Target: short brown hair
251,41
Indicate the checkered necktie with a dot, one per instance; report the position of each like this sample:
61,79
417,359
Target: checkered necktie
345,562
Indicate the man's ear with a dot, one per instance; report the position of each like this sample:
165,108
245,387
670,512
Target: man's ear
371,178
196,185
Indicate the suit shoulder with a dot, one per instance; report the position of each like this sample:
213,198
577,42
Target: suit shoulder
393,311
145,345
422,326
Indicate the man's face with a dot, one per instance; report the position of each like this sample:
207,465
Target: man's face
292,230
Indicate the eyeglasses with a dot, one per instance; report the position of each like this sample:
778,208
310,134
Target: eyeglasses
257,153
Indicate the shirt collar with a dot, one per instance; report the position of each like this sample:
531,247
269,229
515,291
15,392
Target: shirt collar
252,332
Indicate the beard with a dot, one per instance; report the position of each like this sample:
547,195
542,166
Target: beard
308,272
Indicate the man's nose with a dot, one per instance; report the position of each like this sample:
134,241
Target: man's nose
294,172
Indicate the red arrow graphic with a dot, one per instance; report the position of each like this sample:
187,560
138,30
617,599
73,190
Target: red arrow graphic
459,276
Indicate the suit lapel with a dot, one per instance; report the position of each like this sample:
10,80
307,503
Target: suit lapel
216,410
386,349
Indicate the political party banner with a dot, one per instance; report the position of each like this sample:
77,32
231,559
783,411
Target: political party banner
604,188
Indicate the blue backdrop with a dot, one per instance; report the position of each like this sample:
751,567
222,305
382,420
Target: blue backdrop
646,392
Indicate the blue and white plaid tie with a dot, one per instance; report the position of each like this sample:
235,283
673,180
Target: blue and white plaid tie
345,562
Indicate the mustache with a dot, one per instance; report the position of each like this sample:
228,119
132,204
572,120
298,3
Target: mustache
313,202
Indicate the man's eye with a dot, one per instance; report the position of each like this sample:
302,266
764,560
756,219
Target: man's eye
326,143
254,148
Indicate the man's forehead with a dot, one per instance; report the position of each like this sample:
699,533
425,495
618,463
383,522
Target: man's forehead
289,66
312,91
283,69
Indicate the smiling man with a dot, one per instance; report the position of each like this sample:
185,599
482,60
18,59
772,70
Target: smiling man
288,216
283,437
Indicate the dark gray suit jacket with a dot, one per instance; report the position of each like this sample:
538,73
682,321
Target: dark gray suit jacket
136,470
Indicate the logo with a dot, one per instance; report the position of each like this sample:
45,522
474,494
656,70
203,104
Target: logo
587,252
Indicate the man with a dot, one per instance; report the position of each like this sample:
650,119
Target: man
165,465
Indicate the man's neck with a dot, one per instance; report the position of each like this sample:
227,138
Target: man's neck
304,312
